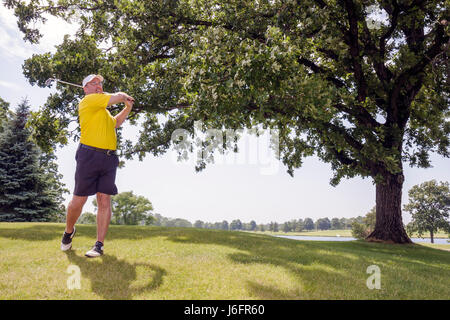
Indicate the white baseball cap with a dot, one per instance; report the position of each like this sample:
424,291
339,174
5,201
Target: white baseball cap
91,77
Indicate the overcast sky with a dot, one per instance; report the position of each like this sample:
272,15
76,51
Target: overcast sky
248,186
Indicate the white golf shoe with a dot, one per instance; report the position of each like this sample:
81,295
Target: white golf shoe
66,242
96,251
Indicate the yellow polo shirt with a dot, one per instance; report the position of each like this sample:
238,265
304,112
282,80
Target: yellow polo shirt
98,126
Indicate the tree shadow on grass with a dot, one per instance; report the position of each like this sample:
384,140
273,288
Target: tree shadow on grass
314,265
31,231
331,270
52,231
112,278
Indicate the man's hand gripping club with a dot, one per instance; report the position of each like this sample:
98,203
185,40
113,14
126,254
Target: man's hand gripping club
120,97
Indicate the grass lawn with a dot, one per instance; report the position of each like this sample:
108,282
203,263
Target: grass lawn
342,233
188,263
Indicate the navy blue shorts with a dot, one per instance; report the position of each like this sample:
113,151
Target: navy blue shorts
96,172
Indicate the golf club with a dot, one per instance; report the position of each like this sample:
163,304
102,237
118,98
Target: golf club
49,81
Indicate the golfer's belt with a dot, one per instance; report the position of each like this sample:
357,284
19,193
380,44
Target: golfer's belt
107,151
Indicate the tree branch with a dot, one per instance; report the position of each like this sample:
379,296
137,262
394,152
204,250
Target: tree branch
351,38
321,70
404,79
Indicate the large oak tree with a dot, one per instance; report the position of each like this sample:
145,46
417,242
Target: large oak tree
364,96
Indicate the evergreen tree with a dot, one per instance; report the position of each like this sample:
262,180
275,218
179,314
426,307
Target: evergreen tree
25,194
55,187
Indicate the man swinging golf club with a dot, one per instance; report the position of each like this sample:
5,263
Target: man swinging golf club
96,158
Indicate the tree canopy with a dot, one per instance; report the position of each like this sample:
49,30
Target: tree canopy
130,209
362,96
429,205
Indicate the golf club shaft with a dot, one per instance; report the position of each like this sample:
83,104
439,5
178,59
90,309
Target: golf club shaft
72,84
77,85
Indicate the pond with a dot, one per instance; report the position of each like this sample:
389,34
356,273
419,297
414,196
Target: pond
436,240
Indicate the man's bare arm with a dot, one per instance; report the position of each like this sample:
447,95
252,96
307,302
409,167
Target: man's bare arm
122,115
119,97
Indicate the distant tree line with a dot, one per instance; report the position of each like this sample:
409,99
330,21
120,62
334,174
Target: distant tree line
295,225
130,209
429,206
142,215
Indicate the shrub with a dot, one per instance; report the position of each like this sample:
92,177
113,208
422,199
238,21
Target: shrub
360,231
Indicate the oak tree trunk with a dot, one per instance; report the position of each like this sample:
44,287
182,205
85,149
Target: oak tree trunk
389,225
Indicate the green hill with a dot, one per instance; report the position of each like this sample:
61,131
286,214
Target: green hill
188,263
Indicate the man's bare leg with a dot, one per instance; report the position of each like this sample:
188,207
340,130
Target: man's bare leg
103,215
74,211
